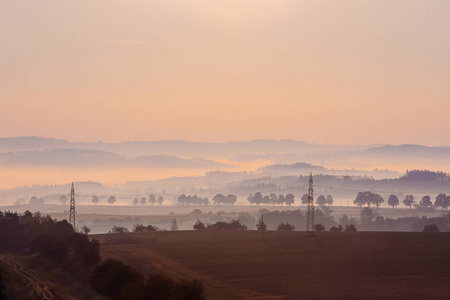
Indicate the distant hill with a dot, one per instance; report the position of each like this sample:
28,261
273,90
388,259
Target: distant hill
92,158
408,151
173,147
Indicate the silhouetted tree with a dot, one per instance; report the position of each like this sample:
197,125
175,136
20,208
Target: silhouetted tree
221,199
233,225
337,229
183,200
321,200
281,200
151,228
376,199
409,201
119,229
440,201
199,225
319,227
136,201
350,228
112,275
425,202
261,223
139,228
111,200
231,199
95,199
361,199
160,200
143,200
330,200
273,199
393,201
258,198
152,199
218,199
368,198
86,229
431,228
174,225
35,200
447,202
285,227
305,199
63,199
290,199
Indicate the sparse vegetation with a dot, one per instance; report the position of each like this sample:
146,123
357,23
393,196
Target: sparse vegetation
319,227
119,229
285,227
337,228
350,228
199,225
221,199
431,228
192,200
271,199
174,225
233,225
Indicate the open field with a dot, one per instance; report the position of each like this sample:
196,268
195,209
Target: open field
101,218
288,265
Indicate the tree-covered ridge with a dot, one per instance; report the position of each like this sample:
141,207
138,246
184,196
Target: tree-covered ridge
426,175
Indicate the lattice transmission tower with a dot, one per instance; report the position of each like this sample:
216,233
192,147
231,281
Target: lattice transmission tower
72,208
310,212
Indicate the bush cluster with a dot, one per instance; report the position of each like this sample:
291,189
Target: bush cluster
117,279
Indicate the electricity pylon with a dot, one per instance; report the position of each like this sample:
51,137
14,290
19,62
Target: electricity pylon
310,212
72,208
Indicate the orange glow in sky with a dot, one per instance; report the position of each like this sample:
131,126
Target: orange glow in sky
334,72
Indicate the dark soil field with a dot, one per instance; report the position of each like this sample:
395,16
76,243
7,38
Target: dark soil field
289,265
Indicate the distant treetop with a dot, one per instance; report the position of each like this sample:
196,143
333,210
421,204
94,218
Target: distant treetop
426,175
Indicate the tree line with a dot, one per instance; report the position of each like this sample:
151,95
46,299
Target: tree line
192,200
272,199
151,199
368,198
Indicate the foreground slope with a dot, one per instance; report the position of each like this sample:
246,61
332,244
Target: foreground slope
240,265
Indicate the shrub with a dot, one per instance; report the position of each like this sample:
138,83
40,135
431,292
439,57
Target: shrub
112,275
91,254
190,290
337,229
199,225
118,229
233,225
152,228
319,227
285,227
350,228
51,246
431,228
139,228
160,286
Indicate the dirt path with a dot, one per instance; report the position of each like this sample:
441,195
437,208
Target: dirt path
147,262
32,287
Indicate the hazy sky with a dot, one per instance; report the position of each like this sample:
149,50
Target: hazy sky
347,72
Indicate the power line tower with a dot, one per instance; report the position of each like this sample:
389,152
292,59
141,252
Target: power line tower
72,208
310,212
